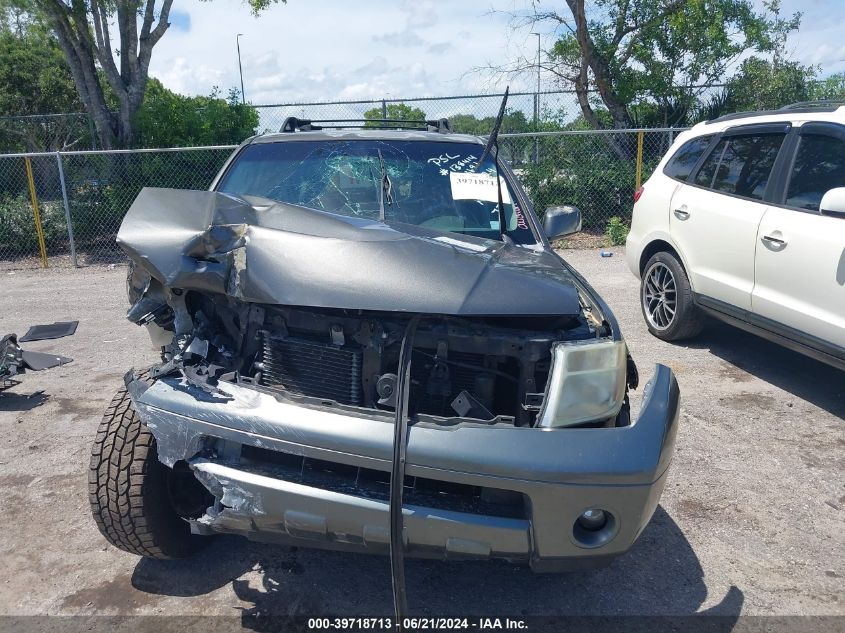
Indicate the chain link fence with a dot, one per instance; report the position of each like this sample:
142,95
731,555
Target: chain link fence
81,198
72,203
467,114
594,170
47,132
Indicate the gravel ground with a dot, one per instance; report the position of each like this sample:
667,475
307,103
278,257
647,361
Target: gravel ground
751,521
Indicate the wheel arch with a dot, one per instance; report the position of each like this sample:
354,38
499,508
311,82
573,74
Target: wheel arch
658,245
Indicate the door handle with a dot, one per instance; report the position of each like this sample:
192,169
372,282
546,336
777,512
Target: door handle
774,241
682,213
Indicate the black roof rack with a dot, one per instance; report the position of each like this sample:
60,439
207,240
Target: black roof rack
294,124
822,105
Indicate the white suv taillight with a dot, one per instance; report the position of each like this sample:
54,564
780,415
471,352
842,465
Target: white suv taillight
638,193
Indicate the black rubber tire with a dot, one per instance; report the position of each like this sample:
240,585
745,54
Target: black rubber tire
689,320
127,488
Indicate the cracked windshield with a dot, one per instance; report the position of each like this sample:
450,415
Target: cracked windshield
428,184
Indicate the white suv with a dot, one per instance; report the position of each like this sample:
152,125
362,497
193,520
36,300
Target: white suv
744,220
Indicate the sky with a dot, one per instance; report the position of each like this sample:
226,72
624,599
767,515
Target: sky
318,50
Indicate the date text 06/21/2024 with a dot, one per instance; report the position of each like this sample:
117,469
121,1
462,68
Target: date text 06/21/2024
416,624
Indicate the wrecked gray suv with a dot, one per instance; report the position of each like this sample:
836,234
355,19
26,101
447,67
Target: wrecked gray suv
358,354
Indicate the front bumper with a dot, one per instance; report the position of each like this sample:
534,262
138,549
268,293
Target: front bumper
559,474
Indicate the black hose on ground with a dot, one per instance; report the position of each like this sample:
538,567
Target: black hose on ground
397,473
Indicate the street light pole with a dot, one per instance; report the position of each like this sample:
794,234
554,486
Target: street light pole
537,105
241,70
537,114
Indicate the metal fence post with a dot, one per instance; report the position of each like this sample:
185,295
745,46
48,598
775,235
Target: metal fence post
383,109
39,230
67,210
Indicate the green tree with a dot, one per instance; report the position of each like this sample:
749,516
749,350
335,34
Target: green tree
84,31
832,87
34,79
622,53
400,111
515,150
514,121
761,84
767,83
168,119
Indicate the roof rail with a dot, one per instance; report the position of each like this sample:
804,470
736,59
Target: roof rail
805,107
294,124
821,104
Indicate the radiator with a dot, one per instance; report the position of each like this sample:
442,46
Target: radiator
311,368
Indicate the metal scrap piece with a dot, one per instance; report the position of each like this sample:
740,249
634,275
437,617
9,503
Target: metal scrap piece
59,329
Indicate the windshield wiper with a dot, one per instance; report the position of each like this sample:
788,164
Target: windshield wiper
386,188
492,141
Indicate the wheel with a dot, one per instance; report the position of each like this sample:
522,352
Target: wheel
666,300
139,503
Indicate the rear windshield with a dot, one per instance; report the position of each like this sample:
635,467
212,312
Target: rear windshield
430,184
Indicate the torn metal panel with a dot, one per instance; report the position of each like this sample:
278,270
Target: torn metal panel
266,508
38,361
262,251
177,437
59,329
15,361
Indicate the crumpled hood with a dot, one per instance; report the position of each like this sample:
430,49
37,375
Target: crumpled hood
264,251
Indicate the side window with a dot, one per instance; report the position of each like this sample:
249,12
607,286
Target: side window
704,177
819,167
681,164
741,165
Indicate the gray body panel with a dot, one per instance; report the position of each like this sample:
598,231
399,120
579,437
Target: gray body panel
276,253
562,472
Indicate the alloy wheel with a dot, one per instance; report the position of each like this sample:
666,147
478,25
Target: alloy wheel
659,296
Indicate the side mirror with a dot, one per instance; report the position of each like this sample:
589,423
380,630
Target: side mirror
833,203
560,221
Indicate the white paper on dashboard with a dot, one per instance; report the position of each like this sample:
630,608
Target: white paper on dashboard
481,186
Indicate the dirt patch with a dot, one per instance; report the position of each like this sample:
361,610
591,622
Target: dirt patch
116,596
33,262
16,481
814,460
742,401
695,509
77,408
582,241
731,372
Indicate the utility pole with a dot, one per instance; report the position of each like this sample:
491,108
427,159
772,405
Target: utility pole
537,105
241,70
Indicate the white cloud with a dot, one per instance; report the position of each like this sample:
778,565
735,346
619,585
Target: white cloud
333,49
440,48
329,50
819,40
418,16
188,77
400,38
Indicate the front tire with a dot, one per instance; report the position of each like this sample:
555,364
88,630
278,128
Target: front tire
666,300
129,488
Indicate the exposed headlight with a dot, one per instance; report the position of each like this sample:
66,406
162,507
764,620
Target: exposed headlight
586,383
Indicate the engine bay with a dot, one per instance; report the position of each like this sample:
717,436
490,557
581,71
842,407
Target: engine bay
487,369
